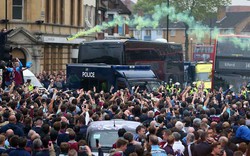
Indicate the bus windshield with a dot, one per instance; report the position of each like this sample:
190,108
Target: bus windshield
232,62
233,47
202,76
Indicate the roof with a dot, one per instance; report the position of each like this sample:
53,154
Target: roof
232,19
163,24
115,124
130,74
247,28
119,6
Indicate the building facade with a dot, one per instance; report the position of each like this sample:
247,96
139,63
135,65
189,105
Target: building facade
42,26
41,29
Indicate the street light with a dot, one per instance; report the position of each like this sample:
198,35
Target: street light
167,20
6,14
191,41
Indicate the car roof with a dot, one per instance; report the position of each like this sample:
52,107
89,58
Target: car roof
115,124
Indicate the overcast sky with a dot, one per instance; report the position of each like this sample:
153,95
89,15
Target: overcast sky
234,2
241,2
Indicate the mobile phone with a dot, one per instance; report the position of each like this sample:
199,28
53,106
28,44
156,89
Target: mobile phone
82,148
97,142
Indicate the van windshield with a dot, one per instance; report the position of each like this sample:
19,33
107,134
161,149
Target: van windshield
145,85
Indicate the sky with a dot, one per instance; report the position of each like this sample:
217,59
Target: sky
241,2
134,1
234,2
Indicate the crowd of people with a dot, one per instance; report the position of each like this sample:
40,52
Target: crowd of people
187,122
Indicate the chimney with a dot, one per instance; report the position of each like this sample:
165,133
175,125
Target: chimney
221,14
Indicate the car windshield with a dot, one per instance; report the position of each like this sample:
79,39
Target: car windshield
106,138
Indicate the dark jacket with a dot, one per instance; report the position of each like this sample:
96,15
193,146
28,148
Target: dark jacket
19,151
43,153
130,149
17,130
169,149
63,137
192,148
202,149
2,150
3,37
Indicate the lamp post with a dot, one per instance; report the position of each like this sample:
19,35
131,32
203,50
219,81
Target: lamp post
6,12
191,41
167,20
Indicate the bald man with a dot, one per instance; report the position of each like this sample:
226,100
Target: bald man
12,125
9,133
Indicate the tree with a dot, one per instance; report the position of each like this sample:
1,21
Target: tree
198,9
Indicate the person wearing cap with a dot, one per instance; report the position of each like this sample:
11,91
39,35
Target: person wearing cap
177,86
194,88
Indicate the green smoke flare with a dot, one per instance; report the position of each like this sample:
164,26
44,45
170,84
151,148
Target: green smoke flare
196,28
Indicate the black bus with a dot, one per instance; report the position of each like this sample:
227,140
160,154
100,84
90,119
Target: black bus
166,59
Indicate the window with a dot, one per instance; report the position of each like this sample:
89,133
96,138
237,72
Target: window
17,10
159,33
55,15
121,29
110,18
72,12
79,5
62,12
137,32
148,32
172,33
47,11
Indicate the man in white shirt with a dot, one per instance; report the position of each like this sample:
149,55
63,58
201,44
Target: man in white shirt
178,147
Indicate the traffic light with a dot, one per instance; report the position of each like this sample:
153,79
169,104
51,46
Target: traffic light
5,53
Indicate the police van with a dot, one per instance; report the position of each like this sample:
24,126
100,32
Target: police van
104,76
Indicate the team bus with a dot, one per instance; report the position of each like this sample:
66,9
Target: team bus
165,59
202,53
231,62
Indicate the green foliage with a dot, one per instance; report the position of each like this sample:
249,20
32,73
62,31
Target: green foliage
199,9
146,6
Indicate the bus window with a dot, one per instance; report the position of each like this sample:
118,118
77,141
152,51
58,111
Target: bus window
108,53
142,54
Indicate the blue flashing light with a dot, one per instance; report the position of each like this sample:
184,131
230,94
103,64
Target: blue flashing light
131,67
